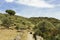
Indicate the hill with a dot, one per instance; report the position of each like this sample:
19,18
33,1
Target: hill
36,20
19,21
14,21
48,28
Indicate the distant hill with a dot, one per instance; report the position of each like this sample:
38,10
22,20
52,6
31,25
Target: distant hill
36,20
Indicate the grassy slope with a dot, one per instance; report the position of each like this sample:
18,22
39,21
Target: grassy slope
11,34
36,20
18,20
8,34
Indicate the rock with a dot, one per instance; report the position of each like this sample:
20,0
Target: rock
39,38
30,36
17,37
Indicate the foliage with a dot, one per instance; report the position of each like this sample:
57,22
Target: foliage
7,22
36,20
46,30
10,12
15,20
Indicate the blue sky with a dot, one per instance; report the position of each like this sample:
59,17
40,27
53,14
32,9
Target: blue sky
32,8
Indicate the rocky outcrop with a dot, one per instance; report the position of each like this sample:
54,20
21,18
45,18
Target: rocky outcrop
28,36
39,38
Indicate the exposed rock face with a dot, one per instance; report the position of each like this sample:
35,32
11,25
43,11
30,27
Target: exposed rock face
28,36
17,37
39,38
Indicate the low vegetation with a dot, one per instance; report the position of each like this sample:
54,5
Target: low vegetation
48,28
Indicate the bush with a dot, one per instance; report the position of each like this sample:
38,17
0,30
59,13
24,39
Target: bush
46,29
7,22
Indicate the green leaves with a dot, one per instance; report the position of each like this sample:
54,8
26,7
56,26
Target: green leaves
10,12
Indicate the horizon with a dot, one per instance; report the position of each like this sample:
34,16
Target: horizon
32,8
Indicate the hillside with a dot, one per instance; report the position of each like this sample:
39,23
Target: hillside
48,28
36,20
17,21
26,22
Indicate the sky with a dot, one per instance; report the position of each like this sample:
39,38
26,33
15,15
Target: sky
32,8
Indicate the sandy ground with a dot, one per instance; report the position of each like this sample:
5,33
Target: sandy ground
8,34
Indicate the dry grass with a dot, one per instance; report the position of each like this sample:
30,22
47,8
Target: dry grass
8,34
24,35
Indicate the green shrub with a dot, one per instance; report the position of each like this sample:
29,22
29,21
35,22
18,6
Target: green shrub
7,22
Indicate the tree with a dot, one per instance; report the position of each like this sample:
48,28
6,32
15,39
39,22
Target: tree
10,12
